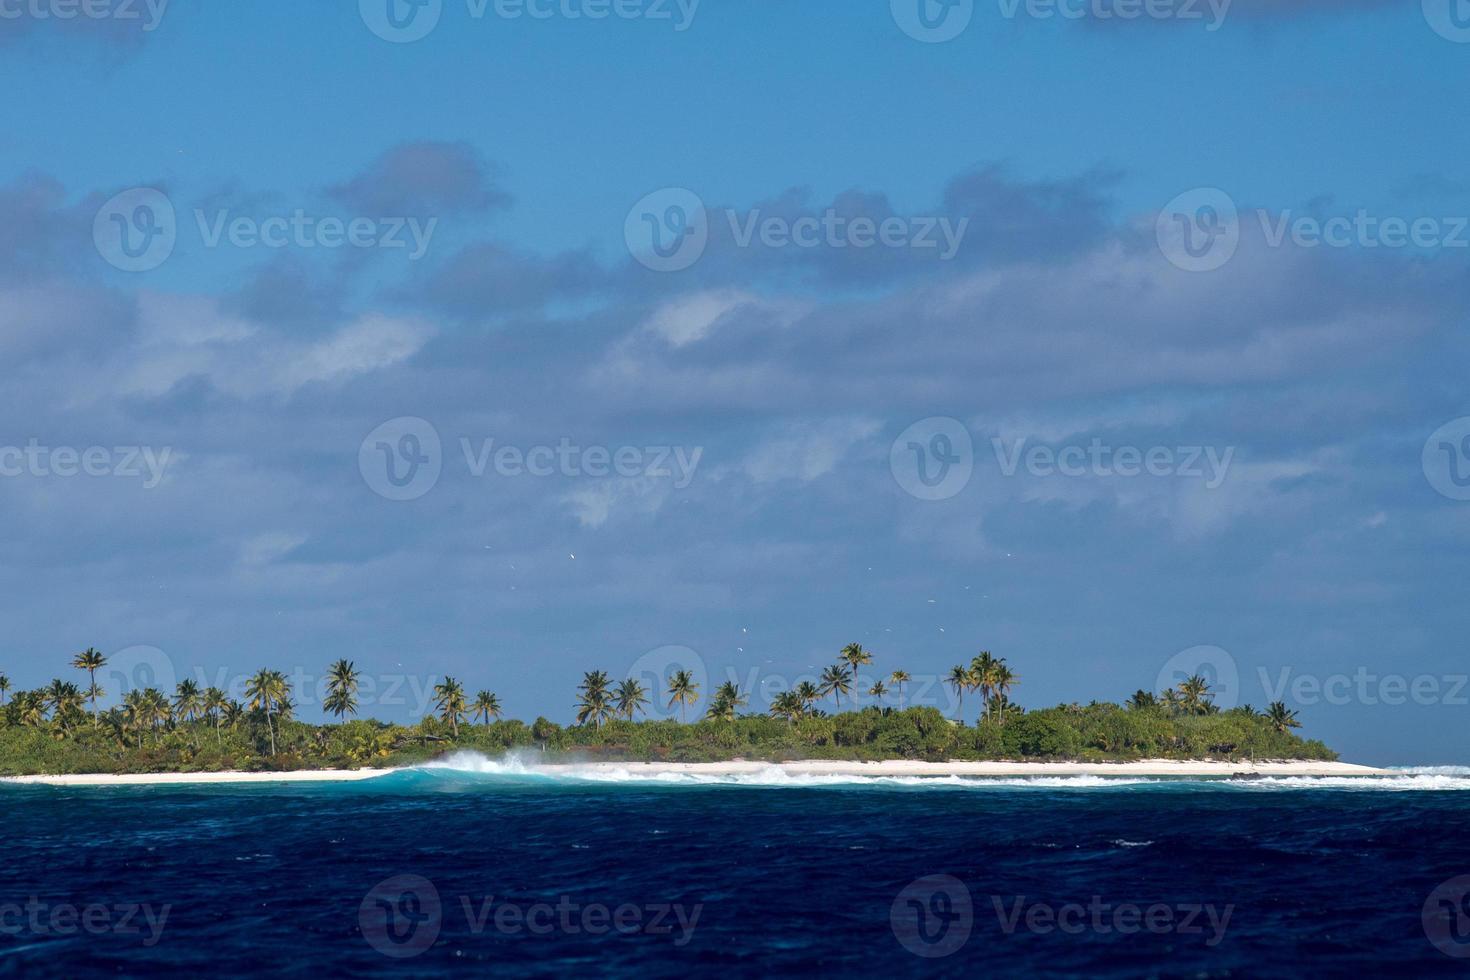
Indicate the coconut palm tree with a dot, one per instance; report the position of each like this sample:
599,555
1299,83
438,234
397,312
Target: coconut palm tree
1142,700
268,691
836,681
342,683
788,705
1280,718
1194,692
808,694
682,690
450,699
855,656
899,679
959,679
1002,679
593,698
726,700
31,707
188,701
4,687
982,678
214,705
65,700
630,697
877,691
232,713
91,661
486,706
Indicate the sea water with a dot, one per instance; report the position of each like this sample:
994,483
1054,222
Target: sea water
484,866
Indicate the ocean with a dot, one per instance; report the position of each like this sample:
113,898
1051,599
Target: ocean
484,867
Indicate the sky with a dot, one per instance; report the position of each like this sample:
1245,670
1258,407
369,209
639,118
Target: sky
517,339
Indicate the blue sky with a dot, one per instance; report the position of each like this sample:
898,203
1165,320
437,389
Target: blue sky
765,518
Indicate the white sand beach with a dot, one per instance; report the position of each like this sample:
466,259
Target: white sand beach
815,767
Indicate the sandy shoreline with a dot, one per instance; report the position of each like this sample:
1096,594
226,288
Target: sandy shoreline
815,767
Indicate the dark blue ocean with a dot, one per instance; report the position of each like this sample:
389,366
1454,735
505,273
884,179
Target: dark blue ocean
433,872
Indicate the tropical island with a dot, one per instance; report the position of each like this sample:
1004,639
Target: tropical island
59,729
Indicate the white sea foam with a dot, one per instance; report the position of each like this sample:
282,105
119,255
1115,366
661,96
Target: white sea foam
524,765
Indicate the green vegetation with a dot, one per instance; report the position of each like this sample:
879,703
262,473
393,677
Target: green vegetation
52,730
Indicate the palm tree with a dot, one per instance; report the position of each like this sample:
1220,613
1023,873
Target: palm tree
232,712
959,679
855,656
982,677
267,691
592,698
4,687
727,699
877,691
788,705
1280,718
630,697
683,690
899,678
65,699
214,705
836,681
449,696
32,707
1001,681
1142,700
808,694
486,706
342,682
91,661
1195,695
188,701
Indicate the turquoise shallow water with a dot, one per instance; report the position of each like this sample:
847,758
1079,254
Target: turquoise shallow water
439,871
